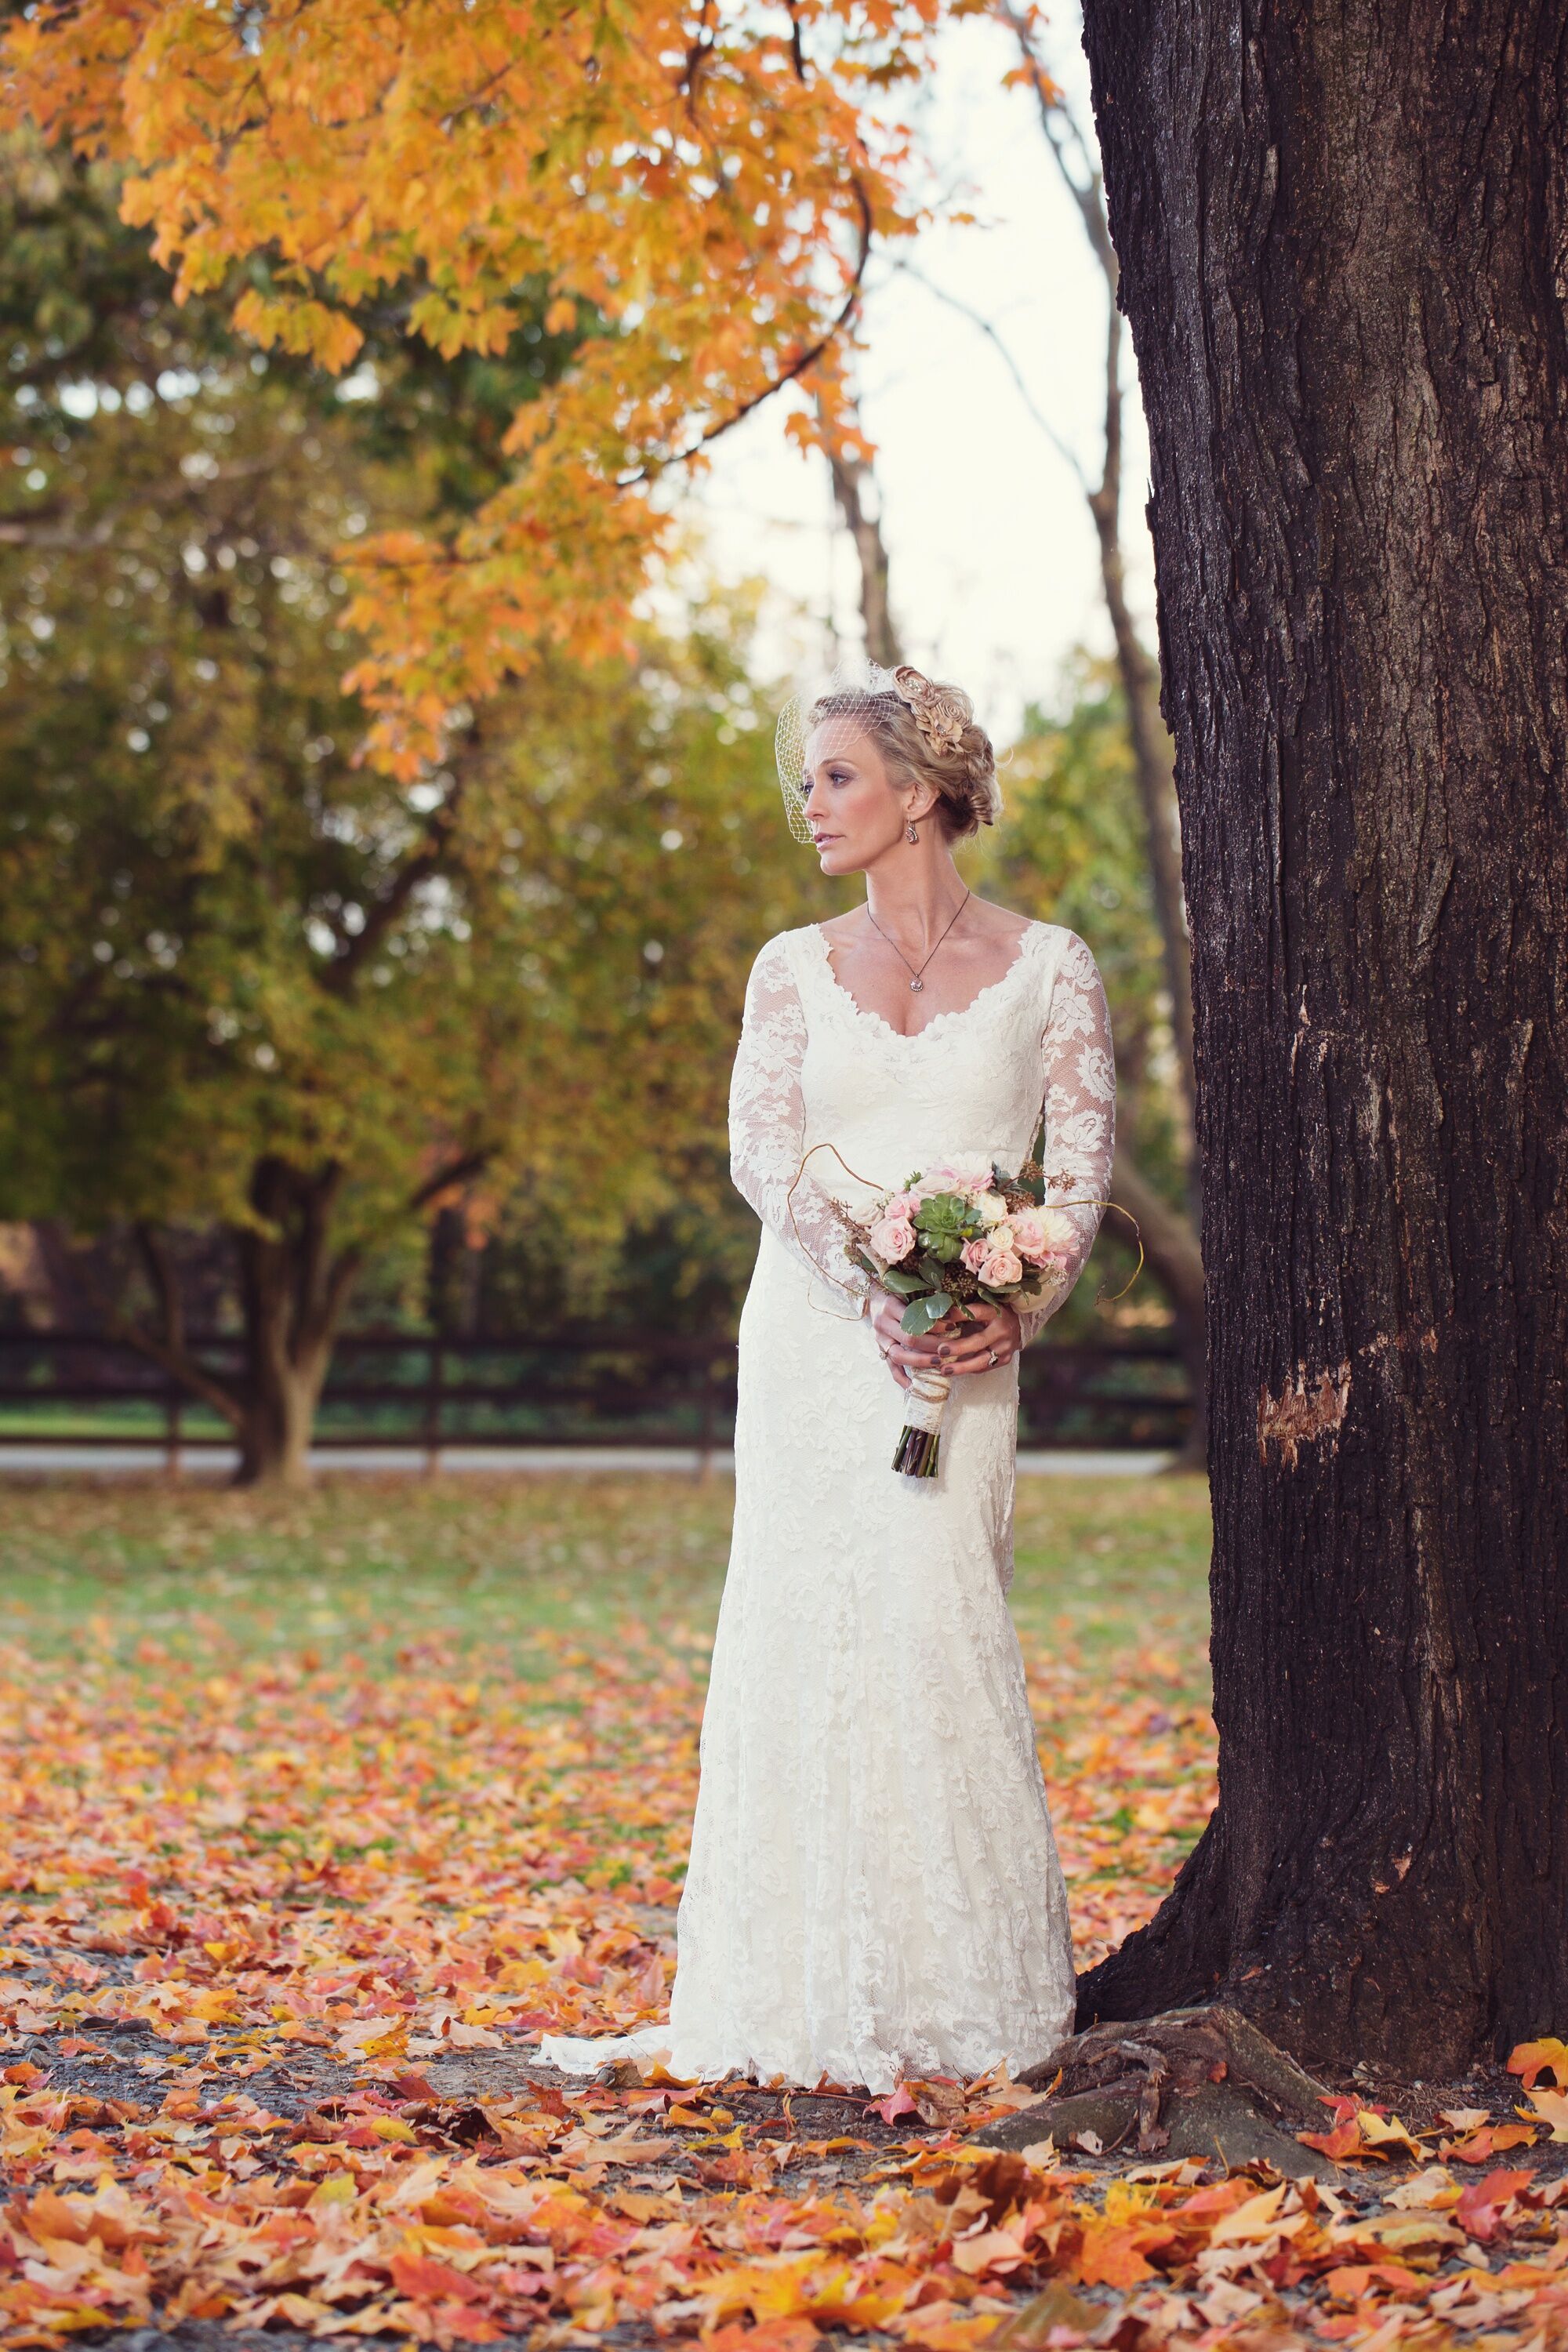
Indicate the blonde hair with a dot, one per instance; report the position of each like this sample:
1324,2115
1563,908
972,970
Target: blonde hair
937,742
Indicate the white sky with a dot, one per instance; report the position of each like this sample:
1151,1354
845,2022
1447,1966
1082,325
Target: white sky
994,571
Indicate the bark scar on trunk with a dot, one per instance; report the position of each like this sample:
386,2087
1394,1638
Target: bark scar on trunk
1304,1411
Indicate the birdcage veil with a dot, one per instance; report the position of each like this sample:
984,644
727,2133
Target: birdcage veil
844,692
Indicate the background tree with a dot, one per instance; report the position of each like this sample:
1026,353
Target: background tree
1360,528
1166,1211
233,957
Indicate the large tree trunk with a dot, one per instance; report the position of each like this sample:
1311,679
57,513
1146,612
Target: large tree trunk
1343,237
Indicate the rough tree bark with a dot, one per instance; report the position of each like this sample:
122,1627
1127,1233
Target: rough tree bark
1343,239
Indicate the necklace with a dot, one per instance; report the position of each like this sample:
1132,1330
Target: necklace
917,983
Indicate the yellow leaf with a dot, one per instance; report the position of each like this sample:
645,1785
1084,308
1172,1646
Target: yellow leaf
1550,2107
1387,2132
1255,2219
1549,2056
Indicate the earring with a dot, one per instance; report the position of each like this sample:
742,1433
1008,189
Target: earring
911,835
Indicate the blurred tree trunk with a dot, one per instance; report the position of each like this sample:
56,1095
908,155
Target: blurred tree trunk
295,1282
294,1291
851,478
1343,237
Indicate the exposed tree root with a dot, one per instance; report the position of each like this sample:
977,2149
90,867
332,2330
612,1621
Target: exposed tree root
1192,2081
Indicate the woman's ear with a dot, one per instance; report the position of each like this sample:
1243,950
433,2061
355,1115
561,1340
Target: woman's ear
922,799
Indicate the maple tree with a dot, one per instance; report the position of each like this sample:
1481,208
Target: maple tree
233,954
460,164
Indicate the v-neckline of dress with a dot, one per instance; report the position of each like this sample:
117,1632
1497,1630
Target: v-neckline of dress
940,1020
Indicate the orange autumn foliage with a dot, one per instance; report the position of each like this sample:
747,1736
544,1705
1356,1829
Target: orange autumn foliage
694,190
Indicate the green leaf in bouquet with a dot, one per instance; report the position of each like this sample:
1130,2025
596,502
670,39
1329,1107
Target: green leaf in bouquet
906,1284
919,1318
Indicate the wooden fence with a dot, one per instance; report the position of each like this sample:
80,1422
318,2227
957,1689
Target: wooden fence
589,1386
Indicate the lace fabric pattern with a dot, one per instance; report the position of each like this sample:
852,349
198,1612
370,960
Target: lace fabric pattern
874,1890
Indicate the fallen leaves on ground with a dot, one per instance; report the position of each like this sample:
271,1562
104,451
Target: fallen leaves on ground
226,1877
388,1865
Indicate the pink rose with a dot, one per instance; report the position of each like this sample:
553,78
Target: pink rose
892,1238
975,1254
903,1205
1040,1234
953,1176
1004,1268
1029,1235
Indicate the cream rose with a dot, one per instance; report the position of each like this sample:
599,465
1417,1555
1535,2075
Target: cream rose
1005,1267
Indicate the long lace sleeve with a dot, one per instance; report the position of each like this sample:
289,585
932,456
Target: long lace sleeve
1080,1110
767,1123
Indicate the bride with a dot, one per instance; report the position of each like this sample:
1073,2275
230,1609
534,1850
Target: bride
874,1891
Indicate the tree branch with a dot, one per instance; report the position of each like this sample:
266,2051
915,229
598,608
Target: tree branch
796,368
439,826
977,320
1055,113
167,1351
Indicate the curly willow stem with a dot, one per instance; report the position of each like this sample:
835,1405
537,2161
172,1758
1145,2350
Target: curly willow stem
855,1173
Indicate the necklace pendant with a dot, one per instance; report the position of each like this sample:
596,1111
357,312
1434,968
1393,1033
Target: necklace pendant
916,983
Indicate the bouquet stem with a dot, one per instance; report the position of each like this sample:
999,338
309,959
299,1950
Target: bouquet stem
916,1452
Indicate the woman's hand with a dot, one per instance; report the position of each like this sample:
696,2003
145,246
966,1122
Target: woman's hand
982,1340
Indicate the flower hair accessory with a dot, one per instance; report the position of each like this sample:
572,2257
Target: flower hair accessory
940,712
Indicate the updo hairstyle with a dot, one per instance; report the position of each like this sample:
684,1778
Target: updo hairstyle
949,750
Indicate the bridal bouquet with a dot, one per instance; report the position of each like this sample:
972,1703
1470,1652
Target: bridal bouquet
962,1232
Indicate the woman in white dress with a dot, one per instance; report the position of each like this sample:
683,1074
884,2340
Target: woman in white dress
874,1891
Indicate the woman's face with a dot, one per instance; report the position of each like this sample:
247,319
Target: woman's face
857,813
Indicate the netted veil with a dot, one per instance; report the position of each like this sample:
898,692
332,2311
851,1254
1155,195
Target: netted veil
840,692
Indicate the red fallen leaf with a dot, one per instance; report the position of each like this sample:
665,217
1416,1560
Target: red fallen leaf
896,2103
1486,2141
423,2279
1349,2281
1343,2140
411,2086
772,2336
26,2074
1479,2210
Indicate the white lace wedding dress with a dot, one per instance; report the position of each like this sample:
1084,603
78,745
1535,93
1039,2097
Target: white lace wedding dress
874,1890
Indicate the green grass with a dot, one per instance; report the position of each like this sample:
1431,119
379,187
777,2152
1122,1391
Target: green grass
374,1566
